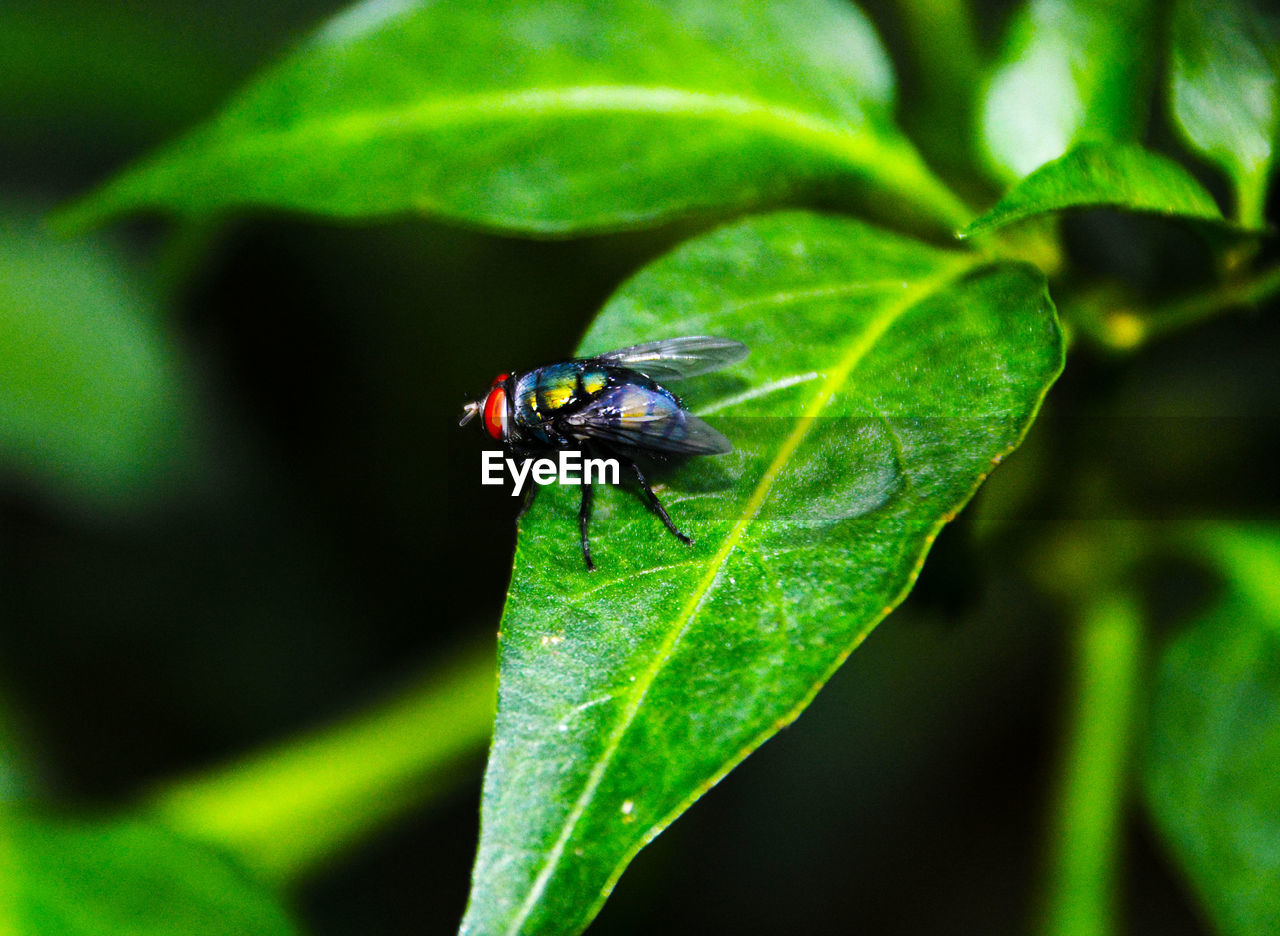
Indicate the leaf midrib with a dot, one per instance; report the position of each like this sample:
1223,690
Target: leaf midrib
841,138
862,344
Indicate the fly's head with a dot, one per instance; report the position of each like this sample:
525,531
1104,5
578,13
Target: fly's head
494,409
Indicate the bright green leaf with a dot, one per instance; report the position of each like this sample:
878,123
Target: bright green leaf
90,397
551,117
885,380
1073,71
125,878
1099,175
1212,781
1225,92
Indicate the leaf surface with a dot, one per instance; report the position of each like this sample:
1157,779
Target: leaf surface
1211,778
1224,86
885,380
1098,175
1072,71
128,878
551,117
92,402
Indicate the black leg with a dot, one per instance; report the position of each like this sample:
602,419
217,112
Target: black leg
657,507
529,494
584,519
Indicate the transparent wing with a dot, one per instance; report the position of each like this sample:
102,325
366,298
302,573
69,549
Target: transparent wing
645,419
677,358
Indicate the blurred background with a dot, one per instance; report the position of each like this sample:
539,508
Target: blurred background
294,526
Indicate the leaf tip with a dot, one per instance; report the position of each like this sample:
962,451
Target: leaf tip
983,223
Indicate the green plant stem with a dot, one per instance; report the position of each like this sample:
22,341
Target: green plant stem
1251,201
284,811
1228,295
1125,328
1086,838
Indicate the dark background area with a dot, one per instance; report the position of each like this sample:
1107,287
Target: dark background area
334,539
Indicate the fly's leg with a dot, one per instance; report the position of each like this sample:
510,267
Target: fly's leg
656,506
584,519
529,494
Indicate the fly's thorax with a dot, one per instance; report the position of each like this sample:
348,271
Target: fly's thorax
557,389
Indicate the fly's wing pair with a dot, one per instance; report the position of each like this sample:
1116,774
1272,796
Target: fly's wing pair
677,358
641,418
652,420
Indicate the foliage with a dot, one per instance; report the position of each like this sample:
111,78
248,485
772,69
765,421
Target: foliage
1215,736
1098,175
91,392
125,876
902,344
843,473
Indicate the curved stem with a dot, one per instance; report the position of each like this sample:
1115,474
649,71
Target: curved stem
1117,325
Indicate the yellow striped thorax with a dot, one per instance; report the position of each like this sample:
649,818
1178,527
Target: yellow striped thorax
543,393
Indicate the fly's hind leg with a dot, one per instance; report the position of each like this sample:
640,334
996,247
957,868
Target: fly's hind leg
529,494
656,506
584,520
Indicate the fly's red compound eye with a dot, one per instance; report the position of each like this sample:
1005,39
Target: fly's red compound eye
495,410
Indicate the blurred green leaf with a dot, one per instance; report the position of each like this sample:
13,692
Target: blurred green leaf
75,878
285,810
1072,71
91,400
1099,175
1212,781
1224,83
885,380
551,117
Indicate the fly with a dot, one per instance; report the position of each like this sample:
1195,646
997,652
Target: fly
610,405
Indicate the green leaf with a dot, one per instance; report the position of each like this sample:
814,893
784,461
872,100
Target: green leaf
1098,175
551,117
292,807
1073,71
1212,782
886,378
1224,85
76,878
91,401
